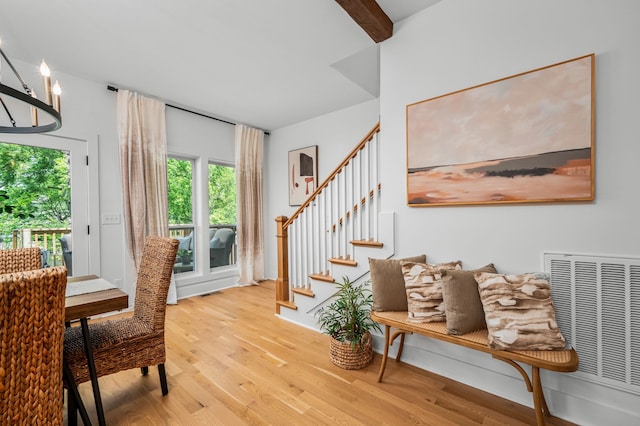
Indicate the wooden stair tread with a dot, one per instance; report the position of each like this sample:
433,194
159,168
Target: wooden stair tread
367,243
345,262
319,277
287,304
304,291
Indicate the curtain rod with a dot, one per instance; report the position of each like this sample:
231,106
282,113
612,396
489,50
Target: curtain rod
115,89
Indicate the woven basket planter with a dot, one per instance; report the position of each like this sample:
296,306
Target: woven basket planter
345,356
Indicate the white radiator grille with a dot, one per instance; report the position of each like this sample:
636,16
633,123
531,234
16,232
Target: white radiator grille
597,301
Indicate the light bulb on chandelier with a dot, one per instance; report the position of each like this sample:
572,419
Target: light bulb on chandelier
11,98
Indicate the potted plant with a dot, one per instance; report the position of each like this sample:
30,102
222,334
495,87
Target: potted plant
348,323
186,256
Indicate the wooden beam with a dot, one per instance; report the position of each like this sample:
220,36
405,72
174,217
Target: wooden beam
370,16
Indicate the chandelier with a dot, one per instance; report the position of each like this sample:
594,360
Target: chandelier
25,112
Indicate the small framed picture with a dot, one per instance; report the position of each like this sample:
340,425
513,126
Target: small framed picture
303,174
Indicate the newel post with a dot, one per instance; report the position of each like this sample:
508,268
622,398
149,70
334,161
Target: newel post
282,283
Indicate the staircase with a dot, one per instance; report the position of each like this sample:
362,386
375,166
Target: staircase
332,235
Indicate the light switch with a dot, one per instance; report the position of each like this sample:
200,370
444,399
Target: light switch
111,218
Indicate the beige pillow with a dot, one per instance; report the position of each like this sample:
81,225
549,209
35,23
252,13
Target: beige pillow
462,302
424,290
519,312
387,283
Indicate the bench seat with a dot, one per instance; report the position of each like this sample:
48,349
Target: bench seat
560,360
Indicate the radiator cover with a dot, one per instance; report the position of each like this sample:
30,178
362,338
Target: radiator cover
597,301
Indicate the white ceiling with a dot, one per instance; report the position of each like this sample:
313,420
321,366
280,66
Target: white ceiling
264,63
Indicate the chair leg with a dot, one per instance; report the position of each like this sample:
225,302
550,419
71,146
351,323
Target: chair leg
72,410
73,394
145,370
163,379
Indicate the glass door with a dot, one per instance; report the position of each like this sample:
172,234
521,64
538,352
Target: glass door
44,198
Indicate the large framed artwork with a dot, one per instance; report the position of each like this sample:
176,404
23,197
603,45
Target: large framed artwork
520,139
303,174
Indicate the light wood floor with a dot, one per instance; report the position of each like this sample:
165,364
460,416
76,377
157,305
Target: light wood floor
231,361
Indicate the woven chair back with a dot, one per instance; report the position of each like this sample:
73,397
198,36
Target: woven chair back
20,259
31,338
154,277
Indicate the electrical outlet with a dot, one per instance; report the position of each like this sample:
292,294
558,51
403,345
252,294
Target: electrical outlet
111,218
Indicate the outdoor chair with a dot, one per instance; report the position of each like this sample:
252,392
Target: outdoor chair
220,247
67,252
136,341
31,337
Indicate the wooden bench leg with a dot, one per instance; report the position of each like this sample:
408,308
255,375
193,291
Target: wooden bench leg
534,385
388,341
402,334
540,404
385,355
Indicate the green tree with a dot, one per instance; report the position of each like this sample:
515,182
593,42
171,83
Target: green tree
34,188
222,194
180,188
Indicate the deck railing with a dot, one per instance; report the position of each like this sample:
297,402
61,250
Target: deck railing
48,239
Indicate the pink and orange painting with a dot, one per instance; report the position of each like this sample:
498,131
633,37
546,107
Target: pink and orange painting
524,138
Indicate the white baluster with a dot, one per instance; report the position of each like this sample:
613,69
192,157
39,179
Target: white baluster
375,207
366,207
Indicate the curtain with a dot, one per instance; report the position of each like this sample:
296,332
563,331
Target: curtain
249,148
143,164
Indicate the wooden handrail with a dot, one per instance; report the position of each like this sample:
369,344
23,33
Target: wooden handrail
282,224
333,174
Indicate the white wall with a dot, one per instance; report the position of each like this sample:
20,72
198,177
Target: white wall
457,44
89,112
336,134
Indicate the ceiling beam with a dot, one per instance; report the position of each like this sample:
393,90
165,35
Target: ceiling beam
370,16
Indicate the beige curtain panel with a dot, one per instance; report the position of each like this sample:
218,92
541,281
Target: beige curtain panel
249,147
143,163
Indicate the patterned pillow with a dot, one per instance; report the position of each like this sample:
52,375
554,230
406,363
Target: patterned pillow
519,312
424,290
462,302
387,283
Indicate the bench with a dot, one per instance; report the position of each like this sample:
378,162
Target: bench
558,360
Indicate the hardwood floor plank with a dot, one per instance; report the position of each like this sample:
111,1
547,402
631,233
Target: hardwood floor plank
231,361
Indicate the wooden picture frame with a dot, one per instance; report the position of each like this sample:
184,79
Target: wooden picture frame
303,174
521,139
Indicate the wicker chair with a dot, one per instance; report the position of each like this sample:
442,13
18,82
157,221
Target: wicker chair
21,259
31,338
136,341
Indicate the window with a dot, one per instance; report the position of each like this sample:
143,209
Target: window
180,192
222,215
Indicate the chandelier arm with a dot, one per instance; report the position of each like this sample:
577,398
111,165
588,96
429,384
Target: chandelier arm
7,111
34,102
15,71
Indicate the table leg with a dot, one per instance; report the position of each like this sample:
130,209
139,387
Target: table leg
92,371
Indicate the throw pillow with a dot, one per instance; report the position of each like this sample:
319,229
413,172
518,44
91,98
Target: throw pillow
387,283
423,286
519,312
462,302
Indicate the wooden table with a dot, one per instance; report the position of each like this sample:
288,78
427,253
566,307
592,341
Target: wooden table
101,297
